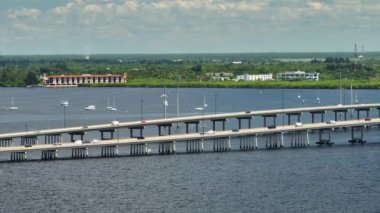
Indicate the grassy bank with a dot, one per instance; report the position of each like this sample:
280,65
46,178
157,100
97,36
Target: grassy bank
329,84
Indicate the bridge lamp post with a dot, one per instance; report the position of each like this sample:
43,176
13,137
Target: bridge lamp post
203,118
142,109
65,104
117,130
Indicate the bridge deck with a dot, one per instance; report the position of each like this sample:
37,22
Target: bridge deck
186,119
184,137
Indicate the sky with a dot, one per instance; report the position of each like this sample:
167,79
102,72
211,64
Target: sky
187,26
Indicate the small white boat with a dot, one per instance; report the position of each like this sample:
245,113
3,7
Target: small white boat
13,107
109,107
112,108
65,103
90,108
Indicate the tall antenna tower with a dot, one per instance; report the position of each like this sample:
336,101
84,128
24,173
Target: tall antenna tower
356,50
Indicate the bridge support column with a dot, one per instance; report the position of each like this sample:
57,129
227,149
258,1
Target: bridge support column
139,149
196,123
49,154
73,134
110,151
273,140
322,139
78,153
52,139
166,147
357,139
140,128
223,121
166,126
322,113
249,119
6,142
299,139
29,141
340,111
18,156
103,135
194,146
298,114
248,142
270,116
360,110
222,144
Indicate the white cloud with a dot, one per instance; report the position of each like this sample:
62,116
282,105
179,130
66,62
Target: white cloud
165,20
25,13
317,5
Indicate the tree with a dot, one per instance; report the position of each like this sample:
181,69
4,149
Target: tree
197,68
31,78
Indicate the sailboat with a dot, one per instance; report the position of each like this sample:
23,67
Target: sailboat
356,98
90,108
13,107
204,101
113,108
109,107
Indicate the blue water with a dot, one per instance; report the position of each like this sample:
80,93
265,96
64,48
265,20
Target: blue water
340,178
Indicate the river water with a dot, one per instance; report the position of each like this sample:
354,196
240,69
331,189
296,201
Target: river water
340,178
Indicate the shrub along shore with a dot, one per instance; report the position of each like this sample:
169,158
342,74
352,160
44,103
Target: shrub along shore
326,84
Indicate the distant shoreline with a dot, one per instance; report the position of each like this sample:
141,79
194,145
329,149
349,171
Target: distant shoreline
330,84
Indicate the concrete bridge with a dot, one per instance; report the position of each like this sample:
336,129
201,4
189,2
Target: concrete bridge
107,130
194,142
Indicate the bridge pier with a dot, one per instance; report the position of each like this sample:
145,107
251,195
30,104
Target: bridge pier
49,154
29,140
274,140
340,111
274,116
81,152
323,140
299,139
131,129
223,121
18,156
322,113
166,126
166,147
298,114
6,142
73,134
361,110
249,119
357,139
222,144
248,142
194,146
52,139
103,135
139,149
196,123
110,151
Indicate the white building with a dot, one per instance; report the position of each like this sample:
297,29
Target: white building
298,75
74,80
260,77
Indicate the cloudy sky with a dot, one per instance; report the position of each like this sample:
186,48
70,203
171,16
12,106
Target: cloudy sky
187,26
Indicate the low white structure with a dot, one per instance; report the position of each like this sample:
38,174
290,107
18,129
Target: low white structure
74,80
298,75
260,77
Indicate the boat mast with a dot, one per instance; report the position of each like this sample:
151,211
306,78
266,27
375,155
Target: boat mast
177,104
165,100
352,92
